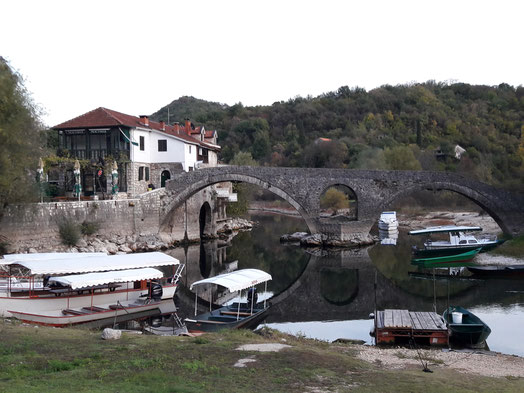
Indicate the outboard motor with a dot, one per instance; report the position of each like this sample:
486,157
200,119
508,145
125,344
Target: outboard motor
155,291
252,296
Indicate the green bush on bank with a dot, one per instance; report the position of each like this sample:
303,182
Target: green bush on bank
69,232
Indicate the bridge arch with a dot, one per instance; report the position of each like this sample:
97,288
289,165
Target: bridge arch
467,192
191,189
337,186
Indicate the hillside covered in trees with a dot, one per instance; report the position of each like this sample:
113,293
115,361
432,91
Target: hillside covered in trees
391,127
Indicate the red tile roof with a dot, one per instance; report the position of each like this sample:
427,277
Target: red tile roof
103,117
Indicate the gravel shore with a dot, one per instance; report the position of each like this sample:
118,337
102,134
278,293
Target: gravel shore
490,364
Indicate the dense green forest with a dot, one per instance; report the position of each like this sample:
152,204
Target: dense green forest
391,127
21,139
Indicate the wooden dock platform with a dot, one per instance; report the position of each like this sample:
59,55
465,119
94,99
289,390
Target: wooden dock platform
396,325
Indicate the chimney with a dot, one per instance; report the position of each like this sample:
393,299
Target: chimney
177,126
145,120
188,127
162,125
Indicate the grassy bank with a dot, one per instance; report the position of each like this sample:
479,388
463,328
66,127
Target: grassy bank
512,247
59,360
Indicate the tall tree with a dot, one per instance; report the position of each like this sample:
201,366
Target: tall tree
20,138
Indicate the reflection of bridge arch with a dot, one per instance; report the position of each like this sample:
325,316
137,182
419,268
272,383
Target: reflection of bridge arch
304,301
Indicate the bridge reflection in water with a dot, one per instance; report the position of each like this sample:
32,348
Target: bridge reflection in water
319,285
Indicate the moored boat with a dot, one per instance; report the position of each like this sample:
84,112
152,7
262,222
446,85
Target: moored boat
465,327
460,240
498,271
238,314
388,221
69,288
461,258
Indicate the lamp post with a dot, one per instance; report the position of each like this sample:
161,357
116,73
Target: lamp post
78,185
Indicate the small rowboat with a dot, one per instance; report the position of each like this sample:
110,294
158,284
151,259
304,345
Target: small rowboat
465,327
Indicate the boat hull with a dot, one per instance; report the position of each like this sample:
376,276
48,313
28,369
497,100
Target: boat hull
99,318
215,321
445,260
498,271
440,251
49,302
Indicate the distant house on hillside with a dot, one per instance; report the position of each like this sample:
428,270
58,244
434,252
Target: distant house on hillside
456,153
147,153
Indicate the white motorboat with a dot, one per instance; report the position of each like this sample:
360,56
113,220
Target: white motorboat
388,221
460,240
68,288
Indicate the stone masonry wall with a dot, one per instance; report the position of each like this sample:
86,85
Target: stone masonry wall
34,225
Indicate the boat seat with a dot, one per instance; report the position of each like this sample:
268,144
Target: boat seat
73,312
234,313
209,321
94,308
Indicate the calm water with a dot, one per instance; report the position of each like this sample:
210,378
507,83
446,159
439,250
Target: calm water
329,295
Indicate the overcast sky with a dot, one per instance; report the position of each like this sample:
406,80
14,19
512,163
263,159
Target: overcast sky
137,56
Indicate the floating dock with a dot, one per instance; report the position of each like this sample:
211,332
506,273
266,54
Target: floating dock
393,326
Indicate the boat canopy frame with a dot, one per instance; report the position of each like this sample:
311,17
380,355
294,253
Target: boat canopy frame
444,229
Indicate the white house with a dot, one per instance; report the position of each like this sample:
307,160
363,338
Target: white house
147,153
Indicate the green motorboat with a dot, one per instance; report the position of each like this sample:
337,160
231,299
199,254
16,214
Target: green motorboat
451,260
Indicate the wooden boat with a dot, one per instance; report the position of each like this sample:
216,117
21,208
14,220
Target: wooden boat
465,327
97,315
498,271
460,240
40,288
451,260
237,315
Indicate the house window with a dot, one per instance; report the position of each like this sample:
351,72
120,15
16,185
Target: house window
162,145
142,143
141,173
147,173
189,149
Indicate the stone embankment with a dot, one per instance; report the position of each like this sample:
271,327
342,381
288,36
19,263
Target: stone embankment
127,244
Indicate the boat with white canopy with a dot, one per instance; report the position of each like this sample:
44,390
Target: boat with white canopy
460,241
67,288
237,314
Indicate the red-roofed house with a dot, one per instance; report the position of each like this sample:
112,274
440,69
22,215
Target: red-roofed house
147,152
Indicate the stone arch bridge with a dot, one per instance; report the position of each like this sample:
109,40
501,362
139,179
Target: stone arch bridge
375,191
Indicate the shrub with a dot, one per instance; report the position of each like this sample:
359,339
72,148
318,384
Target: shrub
89,227
69,232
